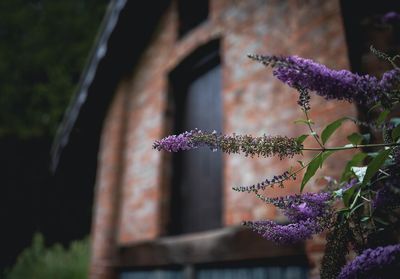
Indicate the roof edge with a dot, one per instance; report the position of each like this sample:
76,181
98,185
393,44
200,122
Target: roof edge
97,53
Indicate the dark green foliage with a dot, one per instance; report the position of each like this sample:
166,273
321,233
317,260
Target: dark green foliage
39,262
331,128
43,48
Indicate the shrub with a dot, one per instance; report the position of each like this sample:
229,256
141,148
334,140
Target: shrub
55,262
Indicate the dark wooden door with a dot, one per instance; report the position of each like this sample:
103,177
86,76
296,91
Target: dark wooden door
200,171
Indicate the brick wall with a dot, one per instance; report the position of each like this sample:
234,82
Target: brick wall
128,196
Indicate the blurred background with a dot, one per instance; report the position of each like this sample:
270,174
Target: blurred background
43,49
86,86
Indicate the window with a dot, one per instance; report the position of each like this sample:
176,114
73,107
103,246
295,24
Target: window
196,194
191,14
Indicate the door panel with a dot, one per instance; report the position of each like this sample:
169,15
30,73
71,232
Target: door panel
201,170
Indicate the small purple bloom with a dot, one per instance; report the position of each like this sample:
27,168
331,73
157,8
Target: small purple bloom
305,206
390,79
381,262
391,17
175,143
308,213
350,184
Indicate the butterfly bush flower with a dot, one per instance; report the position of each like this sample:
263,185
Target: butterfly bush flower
287,234
385,198
304,73
175,143
390,17
349,184
265,146
301,207
388,197
390,79
308,213
382,262
269,182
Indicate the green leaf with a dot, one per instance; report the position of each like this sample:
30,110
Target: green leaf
331,128
343,210
311,170
347,195
355,138
372,154
374,165
377,105
355,161
396,133
382,116
355,207
365,218
379,220
325,155
303,121
301,138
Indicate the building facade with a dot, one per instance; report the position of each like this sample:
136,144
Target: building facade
194,73
164,67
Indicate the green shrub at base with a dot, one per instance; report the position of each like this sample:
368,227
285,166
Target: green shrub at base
55,262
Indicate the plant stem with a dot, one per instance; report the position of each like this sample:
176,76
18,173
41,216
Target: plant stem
263,198
314,134
351,147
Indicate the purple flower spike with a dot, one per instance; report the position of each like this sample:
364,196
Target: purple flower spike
330,84
302,207
287,234
265,146
305,74
309,213
382,262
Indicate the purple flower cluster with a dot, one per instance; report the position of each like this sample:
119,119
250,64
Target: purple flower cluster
390,17
269,182
265,146
308,213
349,184
331,84
306,74
287,234
175,143
388,197
304,99
302,207
381,262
